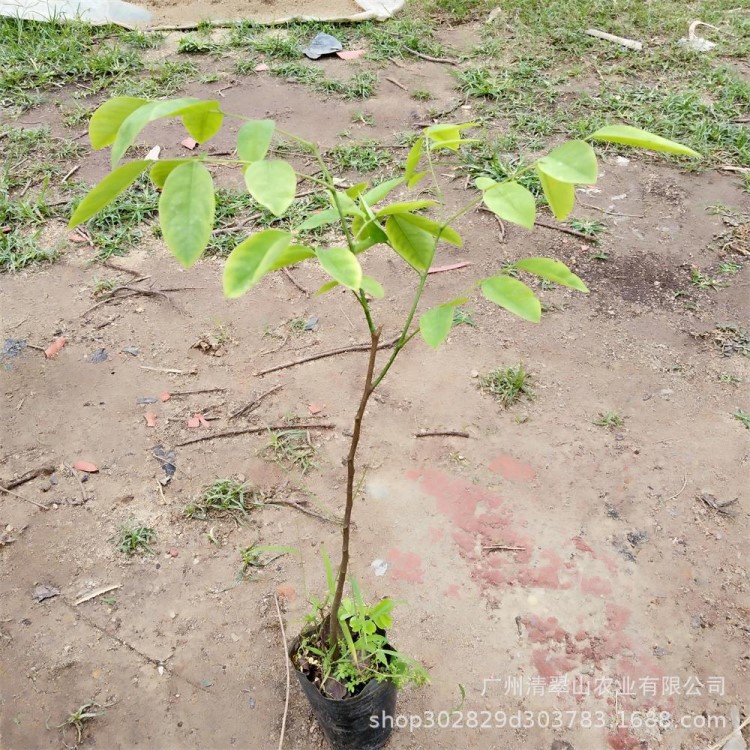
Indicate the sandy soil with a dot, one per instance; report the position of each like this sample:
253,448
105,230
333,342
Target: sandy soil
621,571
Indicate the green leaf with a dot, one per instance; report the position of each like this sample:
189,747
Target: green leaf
448,136
551,270
379,192
326,287
106,121
356,190
320,219
254,139
342,265
484,183
142,116
186,211
412,243
512,202
372,286
203,121
107,190
367,233
291,255
412,161
436,324
252,259
448,234
514,296
574,162
561,196
162,169
404,207
347,205
631,136
272,183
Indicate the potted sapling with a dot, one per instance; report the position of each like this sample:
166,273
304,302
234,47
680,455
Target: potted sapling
344,659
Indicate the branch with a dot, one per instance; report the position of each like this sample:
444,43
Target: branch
329,353
256,430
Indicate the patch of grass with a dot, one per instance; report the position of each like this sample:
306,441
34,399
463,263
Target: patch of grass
193,44
507,385
589,227
361,156
421,95
362,85
486,159
276,46
78,720
18,251
460,11
298,72
133,538
609,419
391,39
363,118
702,281
731,340
225,497
35,56
102,286
164,79
600,255
77,115
463,318
726,377
743,417
291,448
120,225
730,268
141,39
252,558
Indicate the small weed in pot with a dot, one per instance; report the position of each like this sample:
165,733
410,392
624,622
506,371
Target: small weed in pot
345,663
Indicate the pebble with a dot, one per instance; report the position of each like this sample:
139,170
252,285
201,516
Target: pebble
475,373
174,552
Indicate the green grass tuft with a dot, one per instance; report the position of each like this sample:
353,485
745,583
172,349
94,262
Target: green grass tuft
507,385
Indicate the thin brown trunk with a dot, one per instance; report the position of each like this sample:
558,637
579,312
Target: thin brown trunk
334,629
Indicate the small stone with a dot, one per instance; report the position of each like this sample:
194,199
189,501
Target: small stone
474,373
235,638
561,745
174,552
173,614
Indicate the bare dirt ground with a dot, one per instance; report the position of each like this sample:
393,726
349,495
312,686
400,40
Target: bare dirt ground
618,571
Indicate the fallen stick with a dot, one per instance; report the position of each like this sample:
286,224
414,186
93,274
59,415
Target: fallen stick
97,592
169,371
442,433
70,173
502,548
396,83
302,509
452,267
677,494
255,403
113,296
256,430
28,476
719,745
430,58
291,278
197,390
330,353
286,662
629,43
84,496
21,497
565,230
607,211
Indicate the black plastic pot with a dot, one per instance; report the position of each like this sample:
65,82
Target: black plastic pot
362,722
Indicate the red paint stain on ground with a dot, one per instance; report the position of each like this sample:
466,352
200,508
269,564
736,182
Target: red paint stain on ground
405,566
511,468
453,591
596,586
623,740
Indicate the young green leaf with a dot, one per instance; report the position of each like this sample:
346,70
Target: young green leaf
404,207
412,243
484,183
631,136
254,139
573,162
106,121
341,265
142,116
412,161
319,219
436,324
561,196
379,192
356,190
272,183
367,233
514,296
291,255
446,233
162,169
372,286
512,202
551,270
203,121
326,287
252,259
186,211
448,136
107,190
